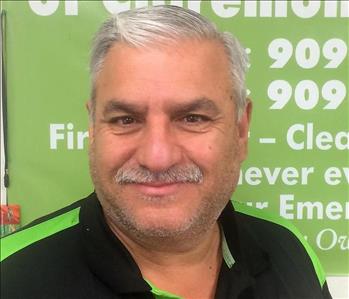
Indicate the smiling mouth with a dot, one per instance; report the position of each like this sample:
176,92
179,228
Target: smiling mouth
159,184
158,188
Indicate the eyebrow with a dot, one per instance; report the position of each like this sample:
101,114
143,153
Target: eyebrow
118,105
200,104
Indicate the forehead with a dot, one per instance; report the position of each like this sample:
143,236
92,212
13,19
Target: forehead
188,69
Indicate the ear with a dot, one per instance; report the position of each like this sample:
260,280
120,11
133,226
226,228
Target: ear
243,127
88,106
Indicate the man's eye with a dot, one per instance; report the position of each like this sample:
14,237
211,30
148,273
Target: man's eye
195,118
123,120
124,124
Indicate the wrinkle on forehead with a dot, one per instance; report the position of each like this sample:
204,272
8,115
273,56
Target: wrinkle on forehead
183,56
190,74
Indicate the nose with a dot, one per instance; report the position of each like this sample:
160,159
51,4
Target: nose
158,149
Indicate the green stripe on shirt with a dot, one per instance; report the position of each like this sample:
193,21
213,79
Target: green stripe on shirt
161,294
17,241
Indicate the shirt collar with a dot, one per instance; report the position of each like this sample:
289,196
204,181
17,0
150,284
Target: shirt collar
106,256
243,247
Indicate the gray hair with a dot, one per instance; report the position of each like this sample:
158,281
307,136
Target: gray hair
167,24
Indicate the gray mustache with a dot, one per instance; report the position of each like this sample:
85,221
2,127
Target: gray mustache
176,174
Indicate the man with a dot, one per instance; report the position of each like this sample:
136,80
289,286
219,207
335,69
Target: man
169,123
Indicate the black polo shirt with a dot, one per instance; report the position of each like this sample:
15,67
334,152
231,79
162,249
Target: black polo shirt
72,253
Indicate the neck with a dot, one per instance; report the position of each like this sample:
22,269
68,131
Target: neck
187,267
191,249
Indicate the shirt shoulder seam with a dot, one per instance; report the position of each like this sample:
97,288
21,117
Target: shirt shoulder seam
275,219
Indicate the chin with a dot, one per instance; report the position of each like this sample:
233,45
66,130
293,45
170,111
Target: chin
169,223
163,230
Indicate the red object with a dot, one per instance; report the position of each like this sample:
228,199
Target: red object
10,214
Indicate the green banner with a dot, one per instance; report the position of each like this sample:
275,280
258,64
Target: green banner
298,165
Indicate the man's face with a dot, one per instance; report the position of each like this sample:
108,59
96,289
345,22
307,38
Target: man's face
165,144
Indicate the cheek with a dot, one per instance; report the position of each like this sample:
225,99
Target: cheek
220,157
109,152
207,151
